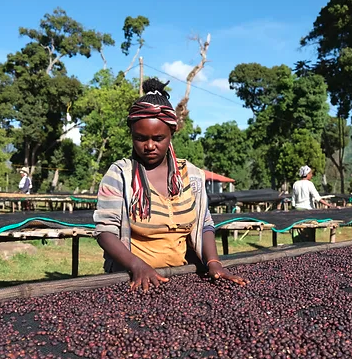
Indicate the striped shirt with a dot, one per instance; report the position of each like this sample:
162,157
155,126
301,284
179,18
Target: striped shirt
161,241
114,198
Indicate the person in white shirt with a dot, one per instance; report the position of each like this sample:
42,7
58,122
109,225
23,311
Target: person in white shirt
304,192
25,184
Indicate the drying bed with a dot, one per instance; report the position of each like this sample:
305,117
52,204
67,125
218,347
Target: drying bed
84,218
283,220
295,307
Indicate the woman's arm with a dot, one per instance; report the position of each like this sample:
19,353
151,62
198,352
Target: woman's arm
142,273
317,197
211,257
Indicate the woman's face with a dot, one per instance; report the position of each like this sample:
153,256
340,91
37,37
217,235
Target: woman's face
151,139
309,175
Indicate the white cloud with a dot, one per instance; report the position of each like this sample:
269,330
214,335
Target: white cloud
181,70
221,83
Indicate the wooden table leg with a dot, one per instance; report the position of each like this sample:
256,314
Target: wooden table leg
274,235
314,231
225,240
75,256
332,235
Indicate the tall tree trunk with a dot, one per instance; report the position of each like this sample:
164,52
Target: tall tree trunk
342,153
100,155
325,183
342,178
55,180
26,153
182,109
33,161
133,60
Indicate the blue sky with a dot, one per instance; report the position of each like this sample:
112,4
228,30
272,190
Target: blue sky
267,32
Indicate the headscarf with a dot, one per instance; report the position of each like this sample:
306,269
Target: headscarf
303,171
141,197
142,110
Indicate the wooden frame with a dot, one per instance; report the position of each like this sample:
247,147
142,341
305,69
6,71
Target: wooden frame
260,226
33,234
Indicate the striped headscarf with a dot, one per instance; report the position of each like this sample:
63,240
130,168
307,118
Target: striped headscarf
143,110
141,197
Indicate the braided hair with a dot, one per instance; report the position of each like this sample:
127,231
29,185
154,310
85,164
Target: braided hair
155,92
154,104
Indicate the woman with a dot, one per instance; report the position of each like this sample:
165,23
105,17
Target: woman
152,205
304,192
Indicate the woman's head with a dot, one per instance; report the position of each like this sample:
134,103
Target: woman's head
152,121
305,172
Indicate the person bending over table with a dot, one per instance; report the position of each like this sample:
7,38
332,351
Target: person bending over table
153,204
304,192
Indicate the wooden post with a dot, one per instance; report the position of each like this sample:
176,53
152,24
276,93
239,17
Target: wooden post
141,76
235,234
225,240
75,256
332,234
274,238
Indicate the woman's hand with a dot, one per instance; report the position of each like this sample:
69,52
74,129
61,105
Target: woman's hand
216,271
143,275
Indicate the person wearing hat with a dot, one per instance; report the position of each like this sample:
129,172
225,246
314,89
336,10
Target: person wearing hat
25,184
304,192
153,206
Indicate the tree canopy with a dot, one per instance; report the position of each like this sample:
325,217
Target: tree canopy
282,103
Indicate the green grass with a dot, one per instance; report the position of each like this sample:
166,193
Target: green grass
53,261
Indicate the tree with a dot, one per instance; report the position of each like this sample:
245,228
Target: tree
133,27
5,155
37,101
302,150
302,68
281,103
182,111
187,145
334,141
226,149
332,37
61,36
256,85
105,134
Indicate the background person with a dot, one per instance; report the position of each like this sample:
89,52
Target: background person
25,184
152,205
304,193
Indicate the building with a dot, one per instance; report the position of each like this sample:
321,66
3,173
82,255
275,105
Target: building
214,182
